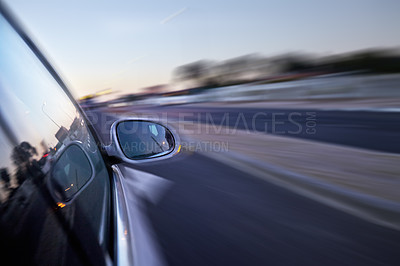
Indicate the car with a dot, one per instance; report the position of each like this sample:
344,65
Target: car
63,198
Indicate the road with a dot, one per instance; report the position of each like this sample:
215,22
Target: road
370,130
216,215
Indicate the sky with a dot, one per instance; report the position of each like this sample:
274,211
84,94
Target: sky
127,44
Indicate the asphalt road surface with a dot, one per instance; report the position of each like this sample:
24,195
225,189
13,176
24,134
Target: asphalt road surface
214,214
364,129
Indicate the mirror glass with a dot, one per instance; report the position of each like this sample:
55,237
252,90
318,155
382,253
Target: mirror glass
143,139
70,173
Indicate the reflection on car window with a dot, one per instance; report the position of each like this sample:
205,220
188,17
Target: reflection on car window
70,173
37,123
153,130
141,139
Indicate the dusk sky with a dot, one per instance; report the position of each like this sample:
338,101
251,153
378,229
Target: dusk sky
127,45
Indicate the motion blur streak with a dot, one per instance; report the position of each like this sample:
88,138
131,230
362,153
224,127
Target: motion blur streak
320,185
283,160
287,115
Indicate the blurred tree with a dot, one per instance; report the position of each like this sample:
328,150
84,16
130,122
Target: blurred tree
21,156
198,73
22,153
370,61
5,176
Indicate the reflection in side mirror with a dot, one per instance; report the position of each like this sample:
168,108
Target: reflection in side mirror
70,174
143,139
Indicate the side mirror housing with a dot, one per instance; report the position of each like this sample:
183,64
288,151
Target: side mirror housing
136,141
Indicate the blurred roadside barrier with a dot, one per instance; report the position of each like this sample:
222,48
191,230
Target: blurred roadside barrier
315,88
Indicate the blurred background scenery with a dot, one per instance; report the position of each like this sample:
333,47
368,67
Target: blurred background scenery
134,50
288,114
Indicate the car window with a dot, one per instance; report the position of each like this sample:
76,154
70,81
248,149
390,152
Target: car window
38,125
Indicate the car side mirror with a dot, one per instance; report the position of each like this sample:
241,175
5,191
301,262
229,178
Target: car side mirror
70,174
136,140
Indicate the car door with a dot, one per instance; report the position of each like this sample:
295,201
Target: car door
54,184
